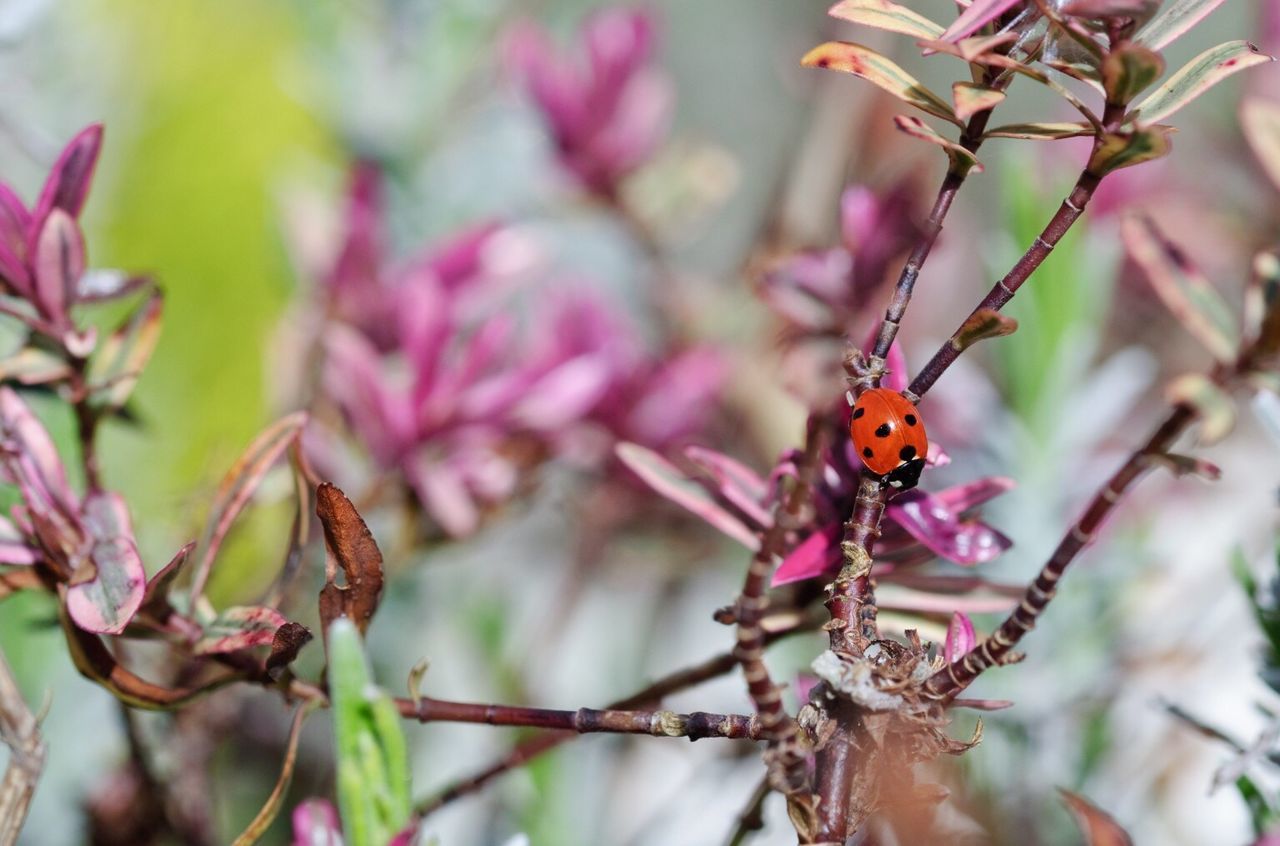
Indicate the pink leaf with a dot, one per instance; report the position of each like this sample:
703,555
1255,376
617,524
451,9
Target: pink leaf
240,627
816,555
315,823
665,478
68,182
59,264
565,394
738,484
960,498
157,590
979,14
13,547
444,494
108,599
30,439
961,638
939,528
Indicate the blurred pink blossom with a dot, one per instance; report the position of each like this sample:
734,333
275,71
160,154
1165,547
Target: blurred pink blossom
608,114
448,377
823,292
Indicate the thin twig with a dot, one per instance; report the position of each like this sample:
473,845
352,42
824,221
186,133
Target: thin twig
21,733
654,693
787,751
751,819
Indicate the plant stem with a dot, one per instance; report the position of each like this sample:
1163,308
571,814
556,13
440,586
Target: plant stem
526,751
695,726
995,649
21,733
776,724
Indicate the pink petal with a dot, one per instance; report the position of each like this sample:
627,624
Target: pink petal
59,265
738,484
13,547
31,439
940,529
445,496
68,182
565,394
960,498
961,638
315,823
358,263
665,478
978,15
817,555
679,398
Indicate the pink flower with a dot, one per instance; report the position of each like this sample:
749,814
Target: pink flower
87,542
823,292
463,386
608,114
42,252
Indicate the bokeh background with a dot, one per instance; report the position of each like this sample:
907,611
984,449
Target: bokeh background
230,129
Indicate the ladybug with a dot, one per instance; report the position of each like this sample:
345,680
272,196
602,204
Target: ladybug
889,436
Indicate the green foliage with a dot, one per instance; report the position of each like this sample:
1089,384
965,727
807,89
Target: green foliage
373,766
1265,602
1262,813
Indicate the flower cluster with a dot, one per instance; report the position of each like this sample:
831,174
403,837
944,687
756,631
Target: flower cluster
607,115
456,371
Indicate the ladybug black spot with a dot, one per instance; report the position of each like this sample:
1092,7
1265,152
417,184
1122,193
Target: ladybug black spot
911,419
858,412
907,453
866,452
883,430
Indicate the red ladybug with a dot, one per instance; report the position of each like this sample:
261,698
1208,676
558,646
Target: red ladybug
889,437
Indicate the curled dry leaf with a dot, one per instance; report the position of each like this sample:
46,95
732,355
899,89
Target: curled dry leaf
983,324
285,646
352,547
1098,826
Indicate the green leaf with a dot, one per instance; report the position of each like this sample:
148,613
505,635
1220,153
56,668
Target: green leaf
1182,287
1216,411
962,160
878,70
1128,71
1174,19
372,762
1040,131
1260,122
970,98
1130,147
115,368
1198,76
1262,810
882,14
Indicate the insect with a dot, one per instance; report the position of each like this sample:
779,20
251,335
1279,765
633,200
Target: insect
889,436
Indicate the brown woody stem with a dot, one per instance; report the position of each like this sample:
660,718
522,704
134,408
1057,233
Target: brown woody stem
695,726
776,724
689,677
995,650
